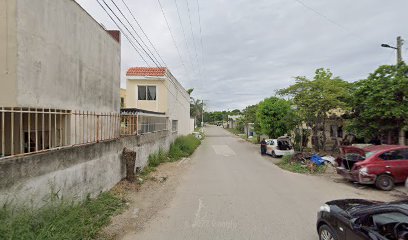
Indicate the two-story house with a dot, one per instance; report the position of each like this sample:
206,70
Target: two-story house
157,90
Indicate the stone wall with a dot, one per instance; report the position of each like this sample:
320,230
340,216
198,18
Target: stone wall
74,172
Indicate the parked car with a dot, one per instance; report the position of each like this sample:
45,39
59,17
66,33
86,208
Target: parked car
382,165
356,219
279,147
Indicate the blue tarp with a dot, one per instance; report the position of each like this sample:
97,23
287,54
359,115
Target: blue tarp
317,160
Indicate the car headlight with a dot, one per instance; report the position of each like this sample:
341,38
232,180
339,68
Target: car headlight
325,208
363,170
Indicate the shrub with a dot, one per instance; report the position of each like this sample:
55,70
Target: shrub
155,159
59,220
183,147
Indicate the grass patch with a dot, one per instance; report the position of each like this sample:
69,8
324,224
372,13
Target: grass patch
297,167
60,220
182,147
155,159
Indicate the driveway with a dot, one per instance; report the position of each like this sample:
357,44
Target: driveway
231,192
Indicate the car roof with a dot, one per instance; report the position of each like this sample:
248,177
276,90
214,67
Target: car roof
375,148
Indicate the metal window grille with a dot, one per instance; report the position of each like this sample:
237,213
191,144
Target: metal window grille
30,130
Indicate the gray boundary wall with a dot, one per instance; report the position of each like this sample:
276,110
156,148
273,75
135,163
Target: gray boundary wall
76,172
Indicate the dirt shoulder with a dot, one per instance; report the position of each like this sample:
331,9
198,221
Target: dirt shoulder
145,200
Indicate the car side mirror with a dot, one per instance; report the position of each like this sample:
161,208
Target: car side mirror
355,224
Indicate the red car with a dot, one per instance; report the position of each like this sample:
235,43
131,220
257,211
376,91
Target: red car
382,165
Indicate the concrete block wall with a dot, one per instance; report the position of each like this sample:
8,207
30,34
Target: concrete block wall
76,172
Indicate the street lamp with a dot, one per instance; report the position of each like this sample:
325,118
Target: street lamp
400,42
387,46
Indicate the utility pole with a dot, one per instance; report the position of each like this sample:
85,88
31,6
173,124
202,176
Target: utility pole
400,42
202,116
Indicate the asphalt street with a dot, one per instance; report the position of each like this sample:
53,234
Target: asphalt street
231,192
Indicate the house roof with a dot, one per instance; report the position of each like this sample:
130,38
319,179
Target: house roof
146,71
135,111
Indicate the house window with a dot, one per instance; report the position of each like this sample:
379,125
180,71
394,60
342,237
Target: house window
147,93
174,125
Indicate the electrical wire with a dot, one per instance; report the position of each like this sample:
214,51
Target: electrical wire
201,32
192,34
328,19
144,33
124,33
184,33
148,49
130,33
172,36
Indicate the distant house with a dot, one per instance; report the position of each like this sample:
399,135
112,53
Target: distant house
157,90
232,121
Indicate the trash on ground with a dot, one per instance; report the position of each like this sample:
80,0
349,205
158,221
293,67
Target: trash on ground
330,159
317,160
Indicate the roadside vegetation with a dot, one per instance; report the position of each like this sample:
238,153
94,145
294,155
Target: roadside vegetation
297,167
182,147
60,219
371,108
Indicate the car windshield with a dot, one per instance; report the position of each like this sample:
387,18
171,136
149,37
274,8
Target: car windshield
369,154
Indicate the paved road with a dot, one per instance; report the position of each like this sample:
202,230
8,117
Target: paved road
231,192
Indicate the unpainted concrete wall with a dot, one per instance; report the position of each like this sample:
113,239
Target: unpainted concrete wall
74,173
8,53
66,60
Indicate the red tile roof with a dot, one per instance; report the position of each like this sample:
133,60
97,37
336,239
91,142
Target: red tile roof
146,71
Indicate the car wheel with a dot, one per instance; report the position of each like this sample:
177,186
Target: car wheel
273,154
384,182
325,233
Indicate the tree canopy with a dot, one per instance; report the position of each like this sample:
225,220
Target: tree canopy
380,102
276,117
315,98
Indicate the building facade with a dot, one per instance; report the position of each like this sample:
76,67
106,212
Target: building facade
157,90
59,74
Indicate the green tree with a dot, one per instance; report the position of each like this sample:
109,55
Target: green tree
276,117
315,98
380,102
196,109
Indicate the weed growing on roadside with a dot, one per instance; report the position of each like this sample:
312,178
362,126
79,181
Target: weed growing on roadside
183,146
297,167
59,220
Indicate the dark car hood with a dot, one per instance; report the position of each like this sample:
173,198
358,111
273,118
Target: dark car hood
349,205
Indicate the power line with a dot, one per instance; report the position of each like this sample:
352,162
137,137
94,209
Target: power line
328,19
192,34
148,49
172,36
137,22
124,33
130,33
184,33
201,32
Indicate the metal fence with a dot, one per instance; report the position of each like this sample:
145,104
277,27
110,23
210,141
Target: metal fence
29,130
142,124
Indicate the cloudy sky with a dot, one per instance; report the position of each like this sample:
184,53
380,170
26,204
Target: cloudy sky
252,48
